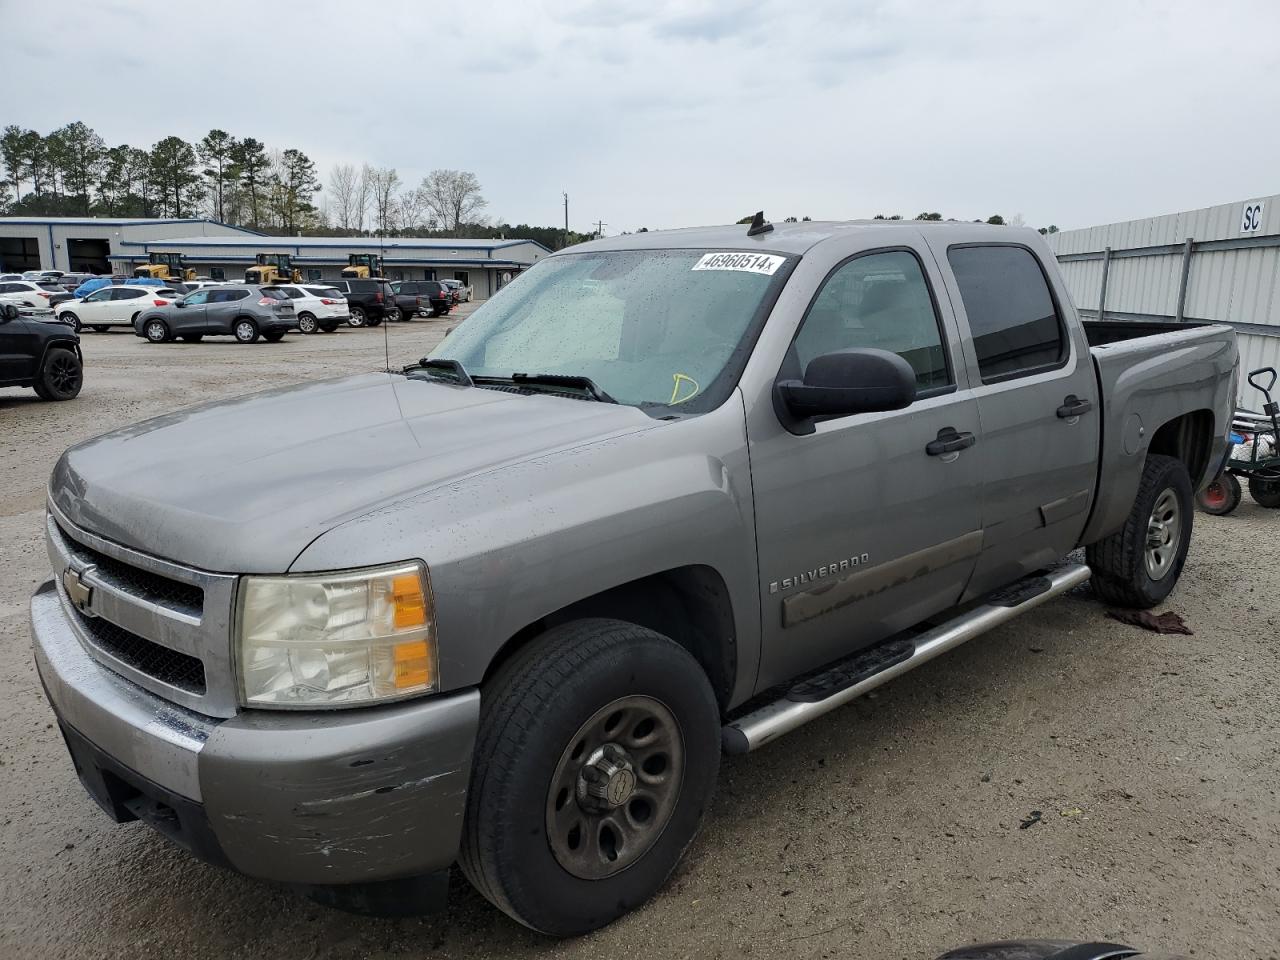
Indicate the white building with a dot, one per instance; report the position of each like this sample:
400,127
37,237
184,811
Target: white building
86,244
1218,263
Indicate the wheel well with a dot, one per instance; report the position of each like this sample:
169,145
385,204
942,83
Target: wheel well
1188,438
688,604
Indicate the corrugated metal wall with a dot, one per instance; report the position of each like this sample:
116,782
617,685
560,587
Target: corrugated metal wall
1233,272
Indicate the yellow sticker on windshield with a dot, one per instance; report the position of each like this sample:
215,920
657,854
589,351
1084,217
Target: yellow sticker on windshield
692,392
765,263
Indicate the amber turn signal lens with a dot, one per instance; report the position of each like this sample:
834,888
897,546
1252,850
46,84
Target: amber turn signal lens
412,664
409,603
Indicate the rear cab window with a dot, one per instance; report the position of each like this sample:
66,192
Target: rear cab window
1014,320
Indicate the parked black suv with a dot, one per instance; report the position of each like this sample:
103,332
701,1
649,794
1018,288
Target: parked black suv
36,353
425,295
371,301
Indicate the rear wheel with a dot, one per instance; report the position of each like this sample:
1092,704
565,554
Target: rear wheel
1221,496
275,336
307,323
1139,565
328,327
245,330
156,331
596,758
69,317
61,375
358,317
100,328
192,337
1265,492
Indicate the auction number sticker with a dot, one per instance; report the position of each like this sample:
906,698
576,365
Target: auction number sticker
765,263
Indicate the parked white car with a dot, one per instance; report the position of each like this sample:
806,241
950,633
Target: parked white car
317,308
114,306
33,293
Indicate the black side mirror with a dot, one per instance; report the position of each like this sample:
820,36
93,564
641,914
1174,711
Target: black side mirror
864,380
179,302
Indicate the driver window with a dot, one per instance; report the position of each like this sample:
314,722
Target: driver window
199,297
882,301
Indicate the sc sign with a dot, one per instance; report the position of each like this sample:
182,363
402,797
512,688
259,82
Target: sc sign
1251,219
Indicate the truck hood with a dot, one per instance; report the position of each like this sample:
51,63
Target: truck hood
242,486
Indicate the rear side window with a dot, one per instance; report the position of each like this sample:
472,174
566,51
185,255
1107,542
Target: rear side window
53,287
127,293
1012,315
364,286
323,292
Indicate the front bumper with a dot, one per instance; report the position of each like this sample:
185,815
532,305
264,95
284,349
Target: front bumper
314,798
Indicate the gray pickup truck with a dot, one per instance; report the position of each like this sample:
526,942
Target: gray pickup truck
665,496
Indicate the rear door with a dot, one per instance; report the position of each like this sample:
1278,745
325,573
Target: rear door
125,302
1038,404
224,306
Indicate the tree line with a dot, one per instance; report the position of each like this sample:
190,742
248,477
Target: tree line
1014,221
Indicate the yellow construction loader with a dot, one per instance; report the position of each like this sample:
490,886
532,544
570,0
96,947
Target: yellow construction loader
361,266
272,268
165,266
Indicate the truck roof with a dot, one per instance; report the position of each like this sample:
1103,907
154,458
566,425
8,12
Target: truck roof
796,238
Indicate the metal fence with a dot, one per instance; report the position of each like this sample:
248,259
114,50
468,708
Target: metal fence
1218,264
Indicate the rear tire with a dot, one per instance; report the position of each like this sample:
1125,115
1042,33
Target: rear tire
1266,493
358,317
328,328
1138,565
596,758
275,336
61,375
191,337
1221,496
100,328
245,330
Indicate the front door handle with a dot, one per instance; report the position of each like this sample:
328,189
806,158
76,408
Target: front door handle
1073,406
949,441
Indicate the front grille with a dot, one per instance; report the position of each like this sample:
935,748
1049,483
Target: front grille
168,666
140,583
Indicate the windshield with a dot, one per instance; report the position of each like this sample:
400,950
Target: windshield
651,328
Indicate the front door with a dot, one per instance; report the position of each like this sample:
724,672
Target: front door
95,308
17,350
190,317
1039,408
862,531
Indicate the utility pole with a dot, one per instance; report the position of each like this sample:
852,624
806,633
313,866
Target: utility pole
600,225
566,219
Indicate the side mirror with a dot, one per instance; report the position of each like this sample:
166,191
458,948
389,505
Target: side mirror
179,302
864,380
8,311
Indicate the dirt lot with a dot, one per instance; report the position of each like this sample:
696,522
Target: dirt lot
897,827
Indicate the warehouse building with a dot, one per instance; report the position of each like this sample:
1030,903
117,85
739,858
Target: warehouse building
88,244
1218,263
483,265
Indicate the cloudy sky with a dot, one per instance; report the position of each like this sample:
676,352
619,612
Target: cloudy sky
666,113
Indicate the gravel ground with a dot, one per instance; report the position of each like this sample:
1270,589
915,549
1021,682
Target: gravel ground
892,828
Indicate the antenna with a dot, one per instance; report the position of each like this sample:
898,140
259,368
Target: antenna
759,225
386,320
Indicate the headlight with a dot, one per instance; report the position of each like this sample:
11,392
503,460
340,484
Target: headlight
337,639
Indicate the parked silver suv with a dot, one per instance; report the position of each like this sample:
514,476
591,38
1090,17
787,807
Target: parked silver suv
243,311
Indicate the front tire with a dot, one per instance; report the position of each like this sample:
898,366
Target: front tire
156,331
395,315
275,336
70,318
1221,496
245,331
1139,565
61,375
192,337
100,328
597,755
358,317
307,323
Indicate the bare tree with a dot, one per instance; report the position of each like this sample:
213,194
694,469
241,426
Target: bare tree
349,196
453,196
384,183
413,212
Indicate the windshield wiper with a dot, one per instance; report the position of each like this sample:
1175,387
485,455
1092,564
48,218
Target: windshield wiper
572,380
453,367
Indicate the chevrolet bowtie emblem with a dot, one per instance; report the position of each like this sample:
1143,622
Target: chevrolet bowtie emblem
79,592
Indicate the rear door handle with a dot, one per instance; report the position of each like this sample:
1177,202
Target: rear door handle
949,441
1073,406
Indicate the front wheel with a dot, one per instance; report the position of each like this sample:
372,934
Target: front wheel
1266,493
1221,496
246,331
156,331
1139,565
100,328
307,323
395,315
275,336
192,337
596,759
68,317
61,375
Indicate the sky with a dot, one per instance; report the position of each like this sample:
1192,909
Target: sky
665,114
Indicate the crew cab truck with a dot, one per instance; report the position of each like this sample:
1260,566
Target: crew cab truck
666,495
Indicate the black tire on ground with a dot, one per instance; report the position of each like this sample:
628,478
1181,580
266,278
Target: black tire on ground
275,336
1221,496
395,315
245,330
1265,492
375,322
69,317
533,837
328,327
307,323
100,328
156,331
358,317
191,337
61,375
438,313
1124,563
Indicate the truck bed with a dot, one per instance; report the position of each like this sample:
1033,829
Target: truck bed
1102,333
